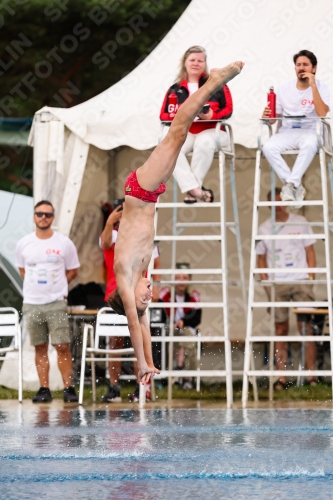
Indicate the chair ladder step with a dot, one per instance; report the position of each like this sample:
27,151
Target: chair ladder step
193,271
204,224
158,305
289,270
192,237
215,204
305,203
289,338
314,236
307,305
289,373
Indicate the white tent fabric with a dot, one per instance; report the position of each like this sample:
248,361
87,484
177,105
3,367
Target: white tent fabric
263,33
16,220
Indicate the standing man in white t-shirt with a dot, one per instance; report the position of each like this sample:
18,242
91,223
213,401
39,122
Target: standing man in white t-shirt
47,262
304,99
288,253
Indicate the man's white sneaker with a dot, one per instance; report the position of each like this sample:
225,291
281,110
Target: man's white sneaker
299,196
288,192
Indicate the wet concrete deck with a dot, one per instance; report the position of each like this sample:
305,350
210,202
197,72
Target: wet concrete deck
58,404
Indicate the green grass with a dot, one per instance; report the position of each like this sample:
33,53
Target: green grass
217,393
213,394
322,392
6,393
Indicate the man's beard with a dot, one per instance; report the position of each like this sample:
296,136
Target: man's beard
43,228
301,77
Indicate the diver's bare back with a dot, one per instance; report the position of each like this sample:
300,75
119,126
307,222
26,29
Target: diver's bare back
135,239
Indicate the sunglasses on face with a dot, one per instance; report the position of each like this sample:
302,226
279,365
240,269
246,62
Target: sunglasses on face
47,214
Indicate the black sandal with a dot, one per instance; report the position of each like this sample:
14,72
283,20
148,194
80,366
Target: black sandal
207,195
189,199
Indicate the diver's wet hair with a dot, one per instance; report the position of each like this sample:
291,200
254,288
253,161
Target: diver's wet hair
115,301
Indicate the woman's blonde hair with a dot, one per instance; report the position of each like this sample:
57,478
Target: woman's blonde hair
195,49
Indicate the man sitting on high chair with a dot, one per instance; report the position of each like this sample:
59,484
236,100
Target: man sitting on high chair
303,100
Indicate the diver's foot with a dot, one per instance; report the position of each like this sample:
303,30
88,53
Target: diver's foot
224,75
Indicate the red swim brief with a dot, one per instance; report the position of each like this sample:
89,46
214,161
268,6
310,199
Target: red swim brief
133,188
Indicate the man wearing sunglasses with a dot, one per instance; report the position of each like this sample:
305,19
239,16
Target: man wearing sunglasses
48,261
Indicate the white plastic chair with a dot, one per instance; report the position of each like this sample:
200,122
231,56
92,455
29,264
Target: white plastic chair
108,324
10,327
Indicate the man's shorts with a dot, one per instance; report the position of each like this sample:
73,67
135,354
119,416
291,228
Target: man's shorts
286,293
44,319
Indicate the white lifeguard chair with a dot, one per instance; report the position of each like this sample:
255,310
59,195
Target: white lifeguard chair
325,150
220,275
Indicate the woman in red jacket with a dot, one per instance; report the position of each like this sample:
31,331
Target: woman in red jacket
201,137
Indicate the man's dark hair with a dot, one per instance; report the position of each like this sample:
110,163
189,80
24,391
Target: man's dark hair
308,54
277,193
115,301
43,202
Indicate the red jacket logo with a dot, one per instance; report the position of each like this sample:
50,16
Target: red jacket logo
307,101
49,251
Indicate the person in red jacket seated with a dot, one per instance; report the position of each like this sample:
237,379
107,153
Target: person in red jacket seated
201,137
186,321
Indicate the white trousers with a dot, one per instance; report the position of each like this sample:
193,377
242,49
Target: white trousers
304,140
203,146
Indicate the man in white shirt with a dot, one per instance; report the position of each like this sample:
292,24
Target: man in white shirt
300,101
47,262
288,253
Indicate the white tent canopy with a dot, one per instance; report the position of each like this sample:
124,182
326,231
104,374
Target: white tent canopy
16,220
70,145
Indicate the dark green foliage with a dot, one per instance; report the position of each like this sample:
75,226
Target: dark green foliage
63,52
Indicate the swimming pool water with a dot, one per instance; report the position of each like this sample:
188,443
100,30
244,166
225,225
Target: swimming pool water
164,454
